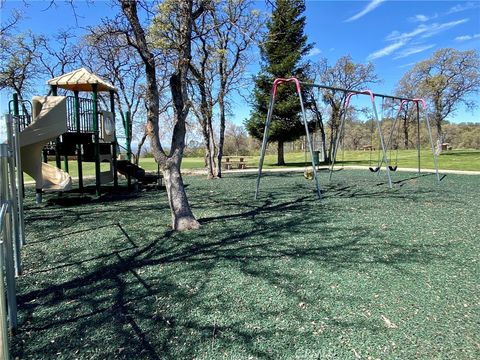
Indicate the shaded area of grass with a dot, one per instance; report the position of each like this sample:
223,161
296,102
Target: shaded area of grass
368,271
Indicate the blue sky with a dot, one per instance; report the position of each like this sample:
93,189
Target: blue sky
394,35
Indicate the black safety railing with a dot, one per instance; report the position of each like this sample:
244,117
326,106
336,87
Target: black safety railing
85,113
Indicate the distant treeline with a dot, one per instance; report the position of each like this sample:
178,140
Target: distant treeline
357,135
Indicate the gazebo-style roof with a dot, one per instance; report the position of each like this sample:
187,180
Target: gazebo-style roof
80,80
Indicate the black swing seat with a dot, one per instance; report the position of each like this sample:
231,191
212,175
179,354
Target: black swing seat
393,168
375,169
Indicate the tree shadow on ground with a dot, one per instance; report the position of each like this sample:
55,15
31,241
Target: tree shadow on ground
194,294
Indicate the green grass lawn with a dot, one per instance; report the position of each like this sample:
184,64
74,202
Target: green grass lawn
367,272
449,160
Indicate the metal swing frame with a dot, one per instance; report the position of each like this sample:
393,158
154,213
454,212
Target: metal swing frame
350,93
276,83
417,103
377,120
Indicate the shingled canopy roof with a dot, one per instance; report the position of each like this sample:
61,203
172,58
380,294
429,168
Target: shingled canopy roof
80,80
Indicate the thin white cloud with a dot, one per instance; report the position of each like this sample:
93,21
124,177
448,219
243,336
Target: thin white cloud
413,50
467,37
398,36
422,31
453,10
421,18
314,51
406,65
387,50
372,5
461,7
436,28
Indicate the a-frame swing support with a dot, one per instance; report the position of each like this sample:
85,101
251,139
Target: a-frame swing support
417,103
276,83
379,126
350,93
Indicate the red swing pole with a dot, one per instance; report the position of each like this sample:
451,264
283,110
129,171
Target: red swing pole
276,83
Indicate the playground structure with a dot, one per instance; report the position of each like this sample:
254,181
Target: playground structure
385,146
60,126
72,126
12,234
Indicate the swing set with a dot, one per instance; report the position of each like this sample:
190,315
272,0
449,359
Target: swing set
386,147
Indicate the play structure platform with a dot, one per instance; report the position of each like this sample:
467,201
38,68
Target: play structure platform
72,127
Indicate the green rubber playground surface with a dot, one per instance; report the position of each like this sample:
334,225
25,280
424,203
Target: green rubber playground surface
366,273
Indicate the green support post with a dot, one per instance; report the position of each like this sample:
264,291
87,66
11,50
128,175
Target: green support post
114,144
128,132
16,112
79,146
16,108
65,162
128,135
97,139
57,140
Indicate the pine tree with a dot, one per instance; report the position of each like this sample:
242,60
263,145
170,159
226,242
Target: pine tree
282,51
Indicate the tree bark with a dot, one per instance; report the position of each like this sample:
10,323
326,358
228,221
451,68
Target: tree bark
182,216
140,145
212,151
440,134
280,153
221,140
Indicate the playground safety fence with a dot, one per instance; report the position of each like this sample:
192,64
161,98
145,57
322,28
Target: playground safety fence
11,226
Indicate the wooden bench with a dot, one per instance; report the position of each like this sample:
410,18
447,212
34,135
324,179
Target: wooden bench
234,163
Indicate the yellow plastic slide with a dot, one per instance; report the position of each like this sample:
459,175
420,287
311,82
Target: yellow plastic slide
49,121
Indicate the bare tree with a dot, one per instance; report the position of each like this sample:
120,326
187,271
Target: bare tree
19,62
237,28
448,79
236,139
204,77
224,36
59,54
182,216
110,56
10,23
347,75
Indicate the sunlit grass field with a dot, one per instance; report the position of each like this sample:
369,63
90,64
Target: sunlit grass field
449,160
468,160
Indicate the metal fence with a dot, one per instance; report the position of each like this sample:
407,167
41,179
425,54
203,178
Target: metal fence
11,226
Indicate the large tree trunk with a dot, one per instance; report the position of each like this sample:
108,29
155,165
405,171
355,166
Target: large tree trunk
326,158
182,217
208,150
280,154
440,134
221,140
212,151
331,143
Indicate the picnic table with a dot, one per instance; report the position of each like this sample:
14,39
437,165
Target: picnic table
234,163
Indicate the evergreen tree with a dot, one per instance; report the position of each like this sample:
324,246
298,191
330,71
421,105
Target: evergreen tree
283,48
